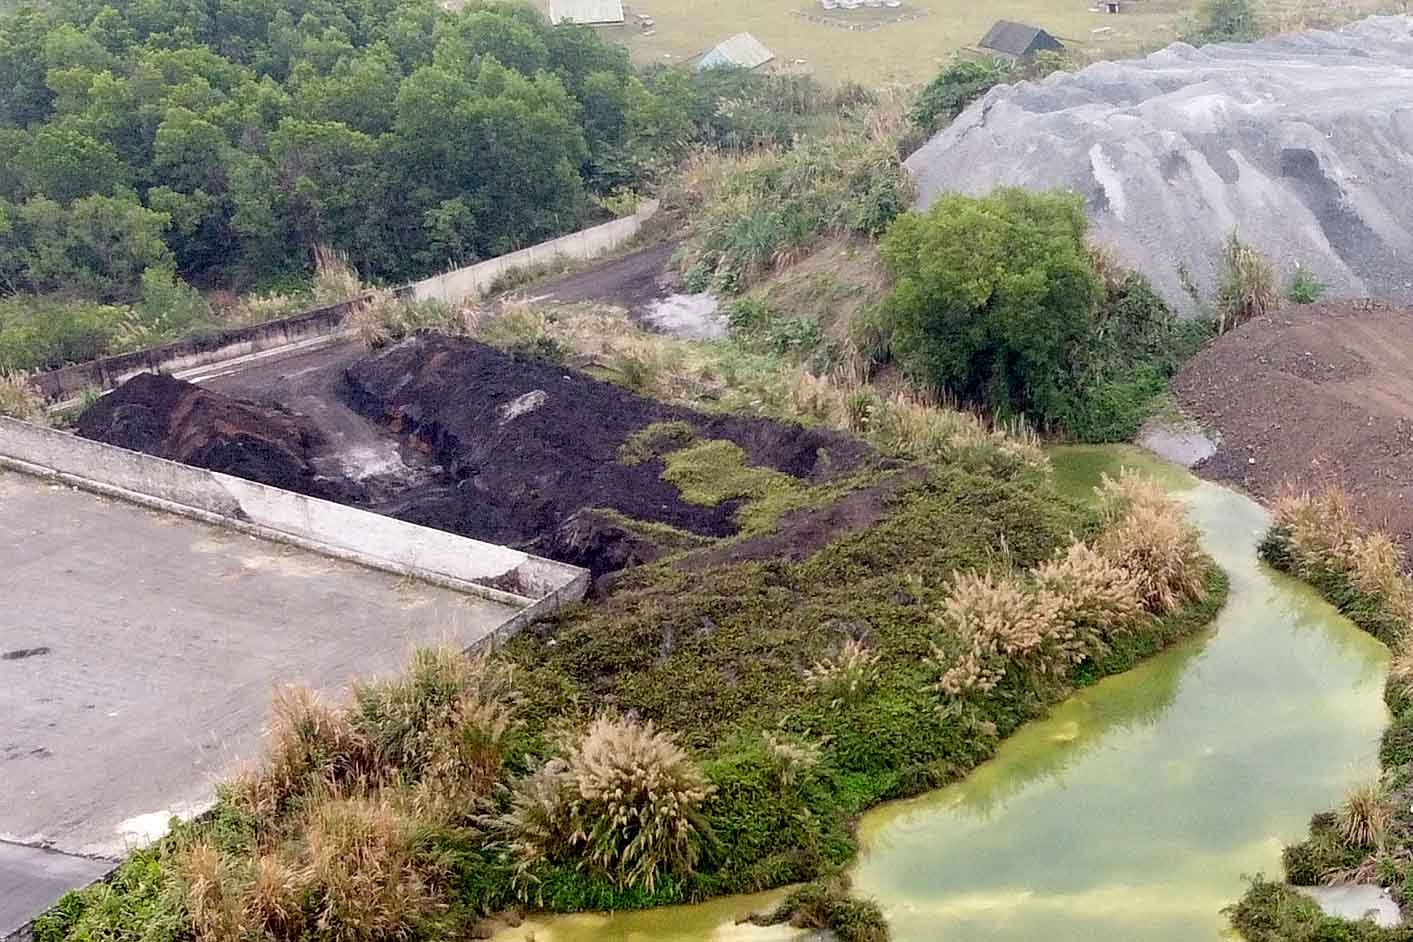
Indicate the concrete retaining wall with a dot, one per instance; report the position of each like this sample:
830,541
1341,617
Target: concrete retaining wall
474,280
105,373
537,586
67,383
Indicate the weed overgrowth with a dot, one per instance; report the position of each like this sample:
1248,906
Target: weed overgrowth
1248,285
20,400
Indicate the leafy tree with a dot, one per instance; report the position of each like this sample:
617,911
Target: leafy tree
991,295
63,162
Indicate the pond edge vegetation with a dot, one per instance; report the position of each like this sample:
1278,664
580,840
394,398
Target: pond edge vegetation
1369,837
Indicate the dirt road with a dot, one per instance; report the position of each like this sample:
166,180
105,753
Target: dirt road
1310,396
633,281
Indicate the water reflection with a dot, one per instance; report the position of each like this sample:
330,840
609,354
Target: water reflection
1134,809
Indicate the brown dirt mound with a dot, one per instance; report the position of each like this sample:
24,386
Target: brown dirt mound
172,419
1312,396
528,443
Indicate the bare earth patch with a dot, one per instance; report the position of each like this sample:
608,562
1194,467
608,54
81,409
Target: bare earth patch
1311,396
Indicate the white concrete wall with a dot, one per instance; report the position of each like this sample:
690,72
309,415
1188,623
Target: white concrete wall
474,280
485,569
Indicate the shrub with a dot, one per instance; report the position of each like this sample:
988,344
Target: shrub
846,677
1304,287
1247,288
990,297
39,333
1220,21
1120,370
1363,817
20,400
956,86
168,310
627,801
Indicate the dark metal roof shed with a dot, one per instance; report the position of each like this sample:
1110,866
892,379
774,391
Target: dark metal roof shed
1017,40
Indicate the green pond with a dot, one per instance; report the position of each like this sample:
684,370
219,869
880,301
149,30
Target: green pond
1135,809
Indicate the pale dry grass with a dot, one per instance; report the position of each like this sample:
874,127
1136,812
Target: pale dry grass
626,801
1145,561
846,676
335,278
209,896
309,746
273,901
1094,594
1323,535
20,400
363,874
1043,623
907,424
1364,817
791,759
1147,534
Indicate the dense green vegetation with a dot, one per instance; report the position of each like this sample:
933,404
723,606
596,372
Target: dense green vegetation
1370,837
758,212
999,302
963,81
224,141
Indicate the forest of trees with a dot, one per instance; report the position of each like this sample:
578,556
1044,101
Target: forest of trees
224,139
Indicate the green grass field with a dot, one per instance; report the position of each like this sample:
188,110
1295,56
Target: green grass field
912,51
900,52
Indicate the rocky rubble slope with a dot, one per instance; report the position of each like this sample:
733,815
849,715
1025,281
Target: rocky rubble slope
1302,142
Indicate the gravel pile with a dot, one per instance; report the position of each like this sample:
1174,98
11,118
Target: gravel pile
1302,142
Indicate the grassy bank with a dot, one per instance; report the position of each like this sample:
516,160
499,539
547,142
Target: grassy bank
1369,838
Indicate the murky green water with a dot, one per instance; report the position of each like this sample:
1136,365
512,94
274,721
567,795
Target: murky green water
1133,811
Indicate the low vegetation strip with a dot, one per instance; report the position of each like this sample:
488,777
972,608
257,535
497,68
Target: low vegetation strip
692,734
1369,838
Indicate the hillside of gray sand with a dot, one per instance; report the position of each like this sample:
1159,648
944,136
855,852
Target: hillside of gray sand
1302,142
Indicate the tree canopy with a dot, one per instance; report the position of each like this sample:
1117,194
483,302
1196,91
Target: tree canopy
227,138
992,295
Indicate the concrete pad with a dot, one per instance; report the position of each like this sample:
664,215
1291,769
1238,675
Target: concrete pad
139,650
32,878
